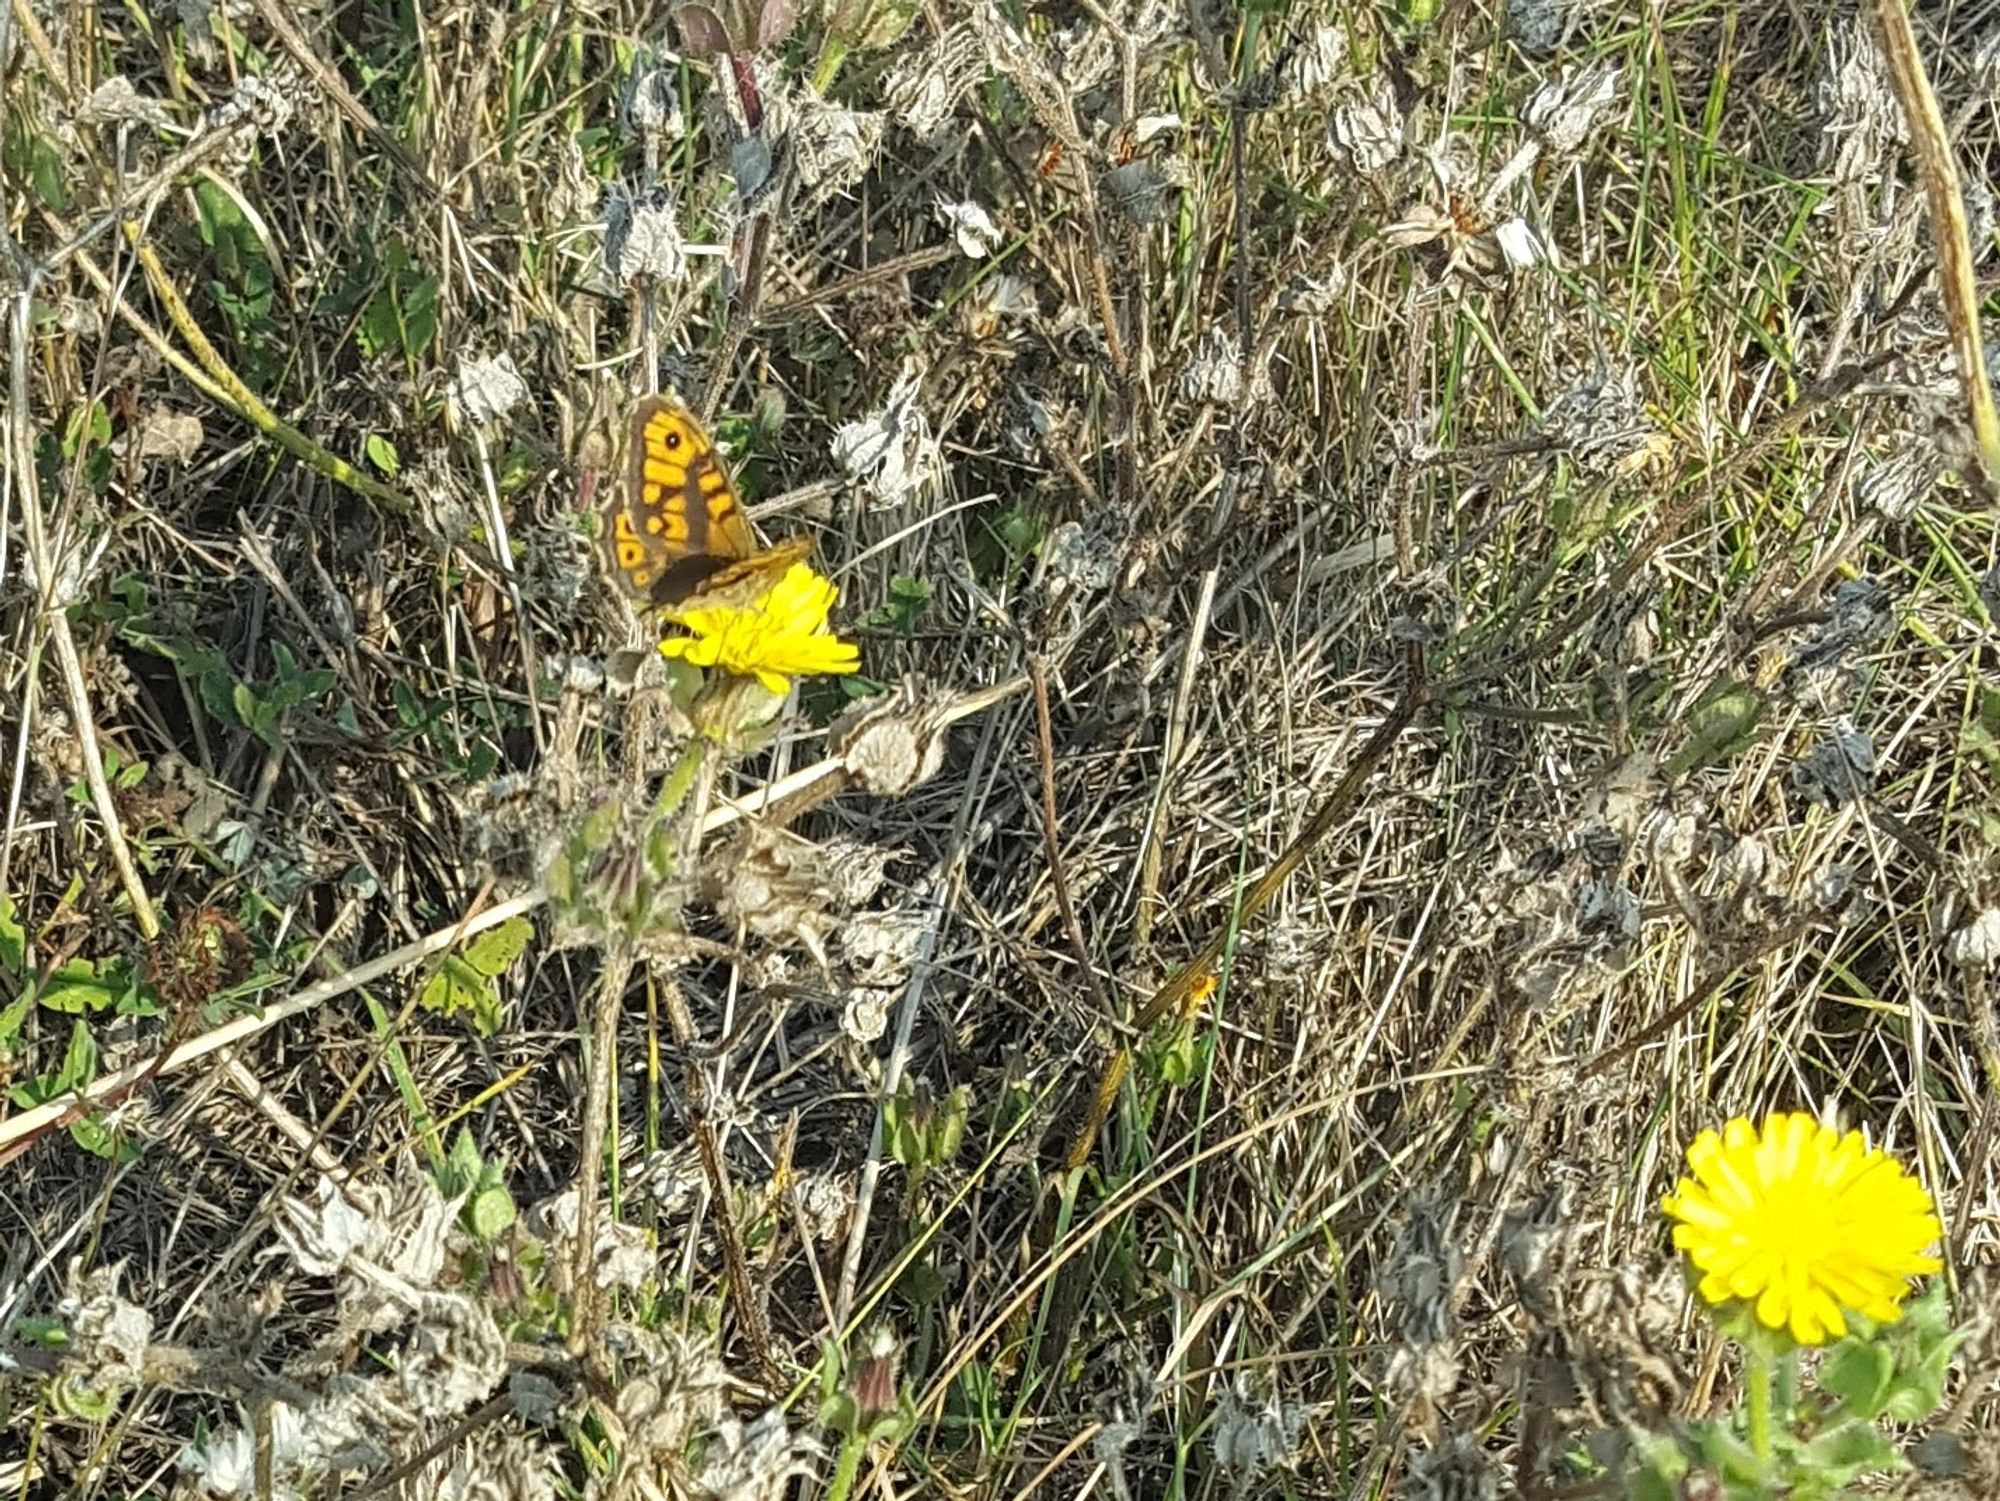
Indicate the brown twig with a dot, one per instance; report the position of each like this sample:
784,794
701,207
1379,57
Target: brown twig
1957,286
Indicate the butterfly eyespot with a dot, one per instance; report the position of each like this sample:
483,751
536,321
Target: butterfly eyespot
675,531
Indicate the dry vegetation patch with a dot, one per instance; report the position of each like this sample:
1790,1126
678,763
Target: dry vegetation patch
1420,552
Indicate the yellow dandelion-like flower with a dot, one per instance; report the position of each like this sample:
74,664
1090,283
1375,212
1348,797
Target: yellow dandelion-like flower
1805,1224
778,636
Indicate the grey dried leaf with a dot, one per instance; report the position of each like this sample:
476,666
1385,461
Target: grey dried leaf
264,103
925,87
1316,297
855,870
1563,111
454,1359
491,1463
116,102
1539,24
1366,131
642,238
893,452
488,388
108,1335
1217,373
1858,617
1607,909
1520,247
1863,123
1459,1469
621,1256
224,1463
756,1461
1898,484
166,434
1143,190
674,1390
1600,419
971,226
865,1017
771,883
1254,1433
831,147
1977,944
1321,61
1078,561
651,103
825,1200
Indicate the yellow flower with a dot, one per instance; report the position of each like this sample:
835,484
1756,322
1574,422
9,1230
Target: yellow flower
1804,1224
779,635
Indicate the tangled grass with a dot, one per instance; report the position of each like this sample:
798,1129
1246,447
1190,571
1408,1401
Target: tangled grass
1429,557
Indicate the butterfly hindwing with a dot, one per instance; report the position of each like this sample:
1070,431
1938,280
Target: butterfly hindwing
678,530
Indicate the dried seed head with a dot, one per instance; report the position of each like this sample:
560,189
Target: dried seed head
971,226
1367,130
888,744
892,452
487,389
772,884
1255,1432
642,238
1563,111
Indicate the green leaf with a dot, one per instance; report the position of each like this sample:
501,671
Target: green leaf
490,1212
492,952
13,939
248,708
408,710
1719,726
77,989
1859,1372
382,454
1849,1449
1727,1452
458,988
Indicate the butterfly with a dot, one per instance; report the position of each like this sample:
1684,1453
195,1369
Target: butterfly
675,533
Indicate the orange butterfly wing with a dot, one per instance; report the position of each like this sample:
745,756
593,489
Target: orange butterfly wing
678,530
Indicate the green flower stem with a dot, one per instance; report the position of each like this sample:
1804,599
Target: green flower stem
1757,1394
832,53
846,1466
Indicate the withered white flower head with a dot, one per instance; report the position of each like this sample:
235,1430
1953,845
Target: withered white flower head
1368,130
970,224
925,87
642,239
892,452
1563,111
488,389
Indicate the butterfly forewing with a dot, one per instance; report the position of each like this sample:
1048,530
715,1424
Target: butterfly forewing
678,530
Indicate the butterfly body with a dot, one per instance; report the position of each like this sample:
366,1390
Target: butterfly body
675,533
